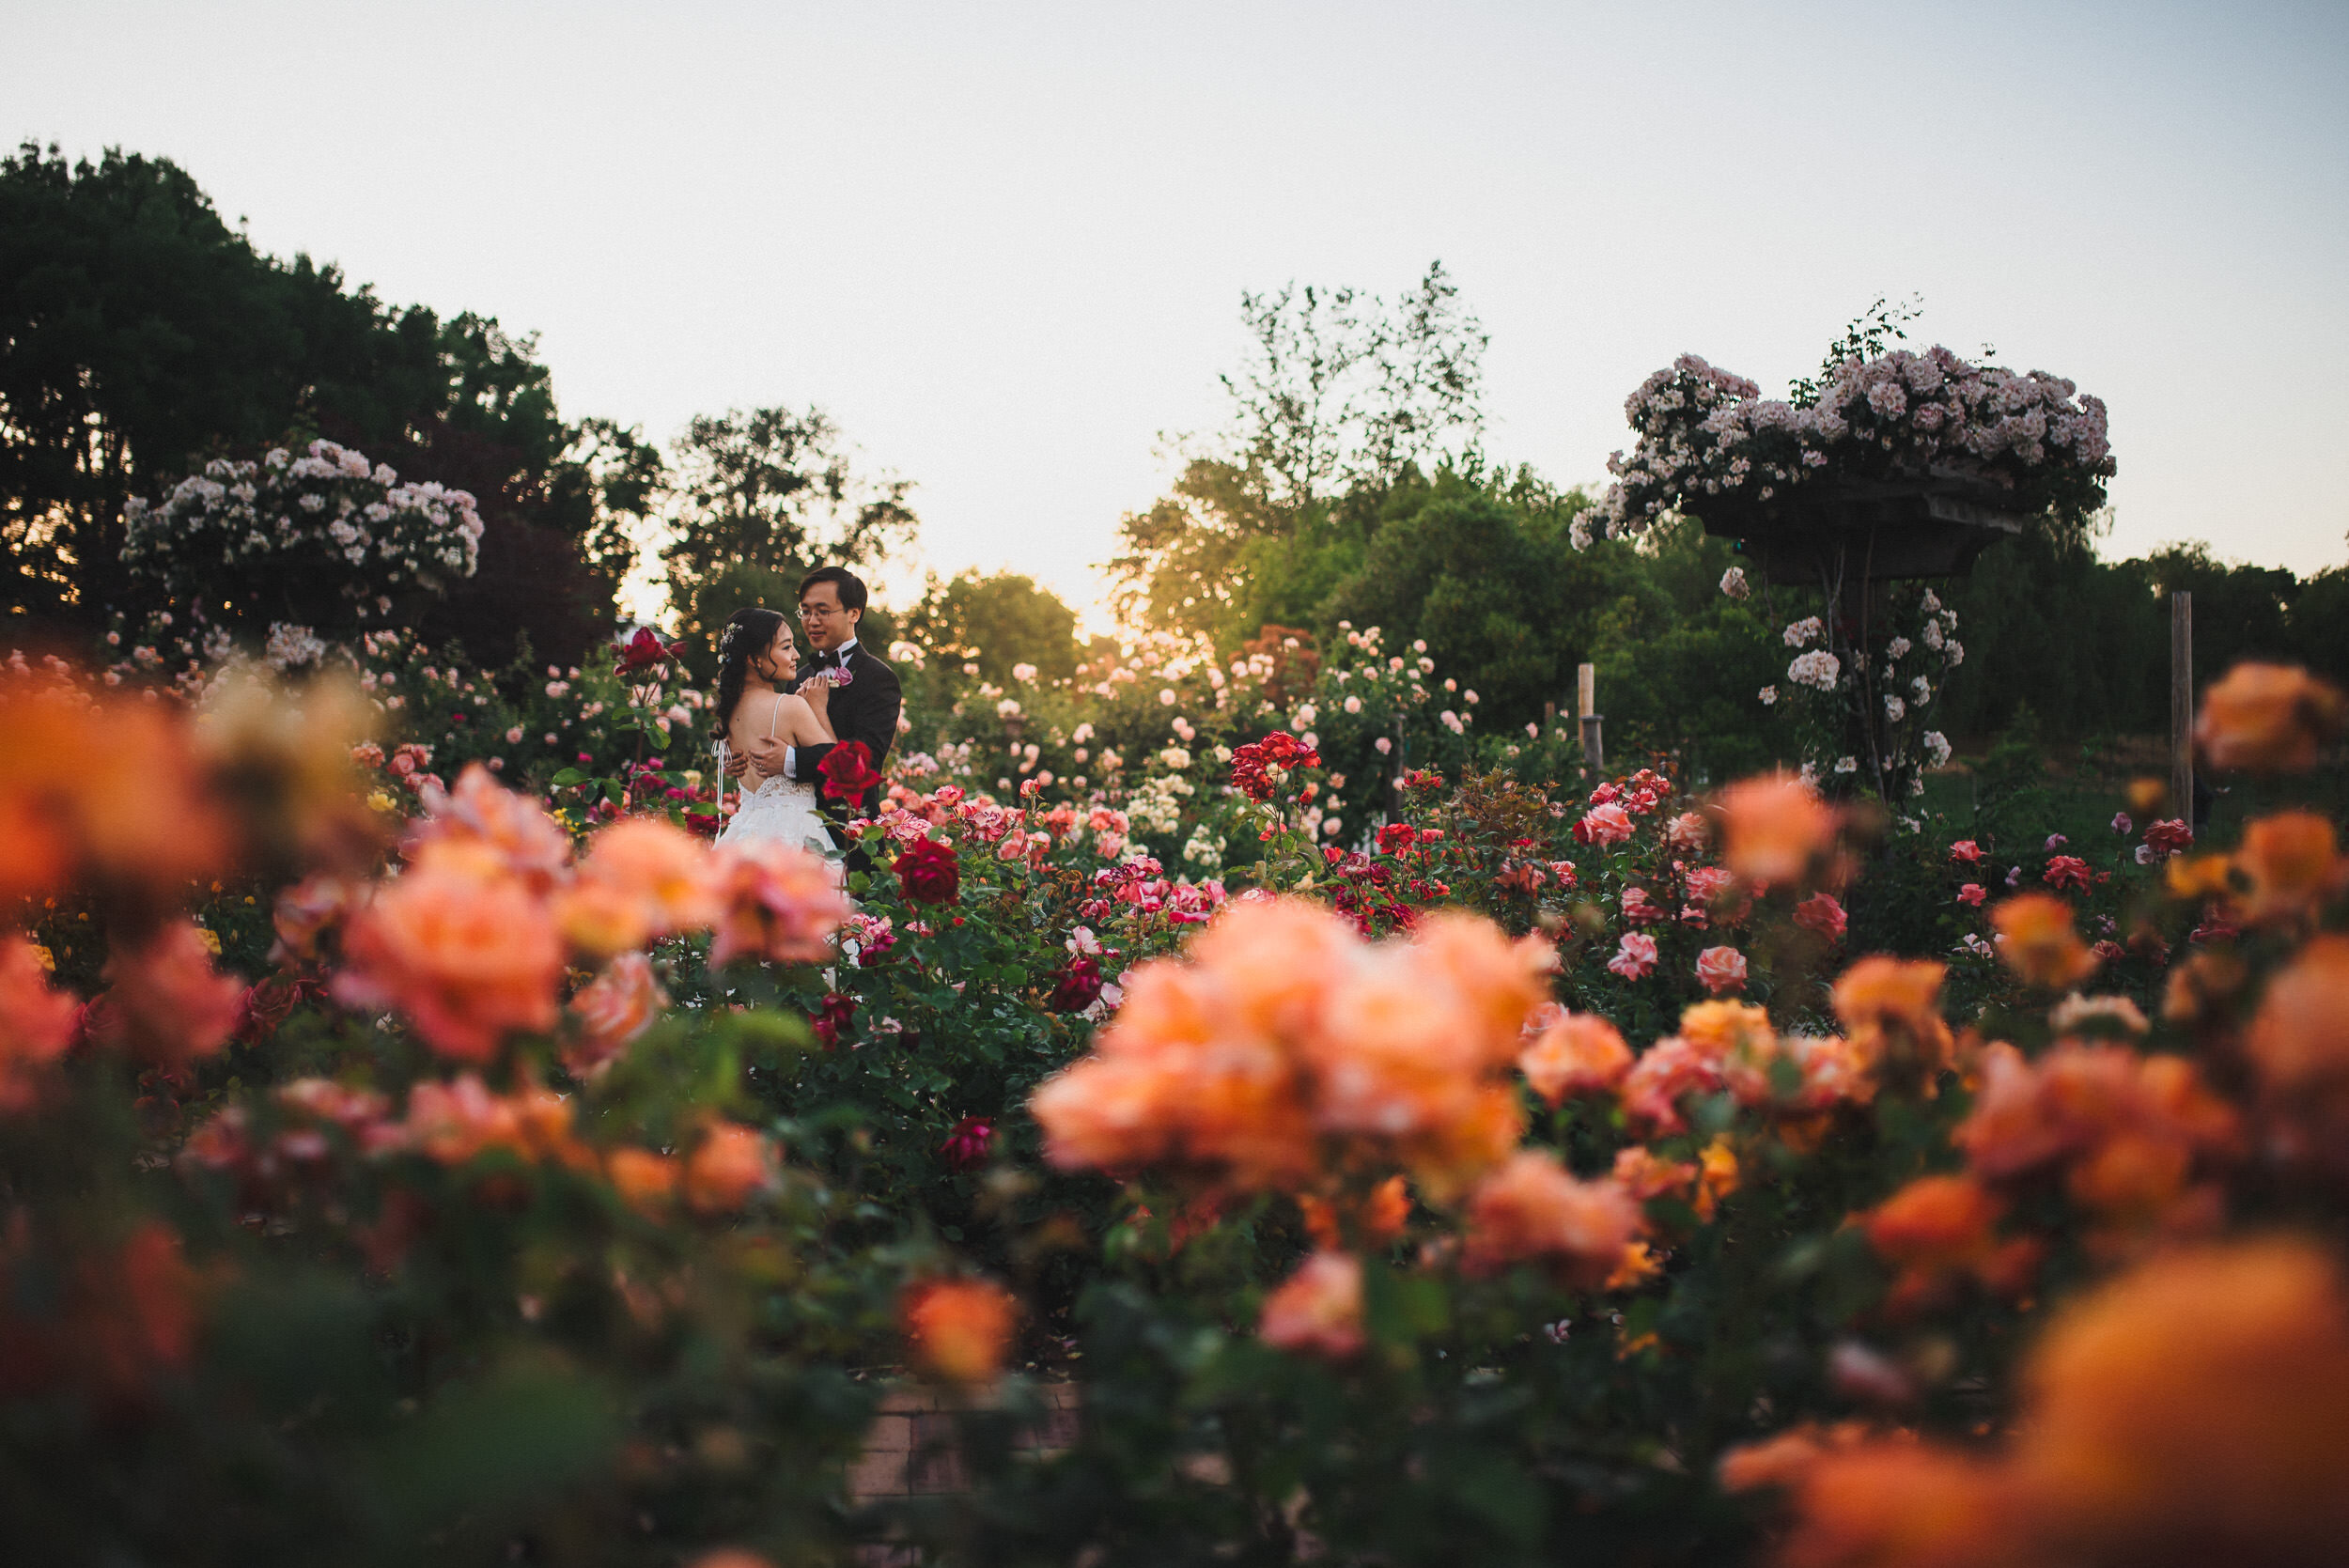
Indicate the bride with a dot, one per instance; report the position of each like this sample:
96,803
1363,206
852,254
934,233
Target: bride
756,659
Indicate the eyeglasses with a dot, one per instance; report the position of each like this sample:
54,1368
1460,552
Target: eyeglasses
817,611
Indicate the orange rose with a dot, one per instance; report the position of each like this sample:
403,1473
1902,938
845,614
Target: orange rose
1581,1053
2293,866
2196,1411
1773,828
644,1181
1531,1210
731,1163
959,1329
1318,1310
2036,939
2298,1044
2269,718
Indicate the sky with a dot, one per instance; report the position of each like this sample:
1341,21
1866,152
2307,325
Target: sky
1003,244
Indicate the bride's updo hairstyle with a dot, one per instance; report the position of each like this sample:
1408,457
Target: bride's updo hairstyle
748,635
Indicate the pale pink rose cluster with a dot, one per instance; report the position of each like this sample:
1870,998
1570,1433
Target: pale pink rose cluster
1705,431
332,512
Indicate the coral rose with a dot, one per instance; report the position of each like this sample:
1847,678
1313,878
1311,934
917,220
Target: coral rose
1773,827
2298,1043
480,811
1581,1053
776,903
2037,941
167,1004
1821,912
1531,1210
1607,824
959,1329
929,872
1317,1310
462,947
610,1012
1722,969
36,1023
2269,718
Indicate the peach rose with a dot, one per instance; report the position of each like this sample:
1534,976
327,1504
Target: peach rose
1773,827
1581,1053
1531,1210
2037,941
462,947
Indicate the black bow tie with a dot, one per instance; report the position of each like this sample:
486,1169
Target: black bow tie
827,659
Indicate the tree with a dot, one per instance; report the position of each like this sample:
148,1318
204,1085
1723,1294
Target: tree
1481,571
770,490
144,335
1342,394
996,621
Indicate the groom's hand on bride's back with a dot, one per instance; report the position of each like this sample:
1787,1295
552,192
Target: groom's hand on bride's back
765,754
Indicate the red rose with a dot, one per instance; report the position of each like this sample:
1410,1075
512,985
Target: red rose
968,1144
848,771
1077,986
929,872
832,1017
645,649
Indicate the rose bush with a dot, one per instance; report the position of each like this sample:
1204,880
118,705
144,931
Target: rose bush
499,1171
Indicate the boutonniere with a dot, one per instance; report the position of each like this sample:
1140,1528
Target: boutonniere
836,677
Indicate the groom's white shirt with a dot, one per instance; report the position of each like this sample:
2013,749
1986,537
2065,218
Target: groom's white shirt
791,753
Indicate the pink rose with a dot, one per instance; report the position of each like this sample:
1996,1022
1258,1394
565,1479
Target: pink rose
1973,893
1607,824
1635,957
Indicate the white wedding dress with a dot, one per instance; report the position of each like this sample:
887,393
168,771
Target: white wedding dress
779,808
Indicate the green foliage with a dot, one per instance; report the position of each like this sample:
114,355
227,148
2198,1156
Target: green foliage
146,335
771,489
996,621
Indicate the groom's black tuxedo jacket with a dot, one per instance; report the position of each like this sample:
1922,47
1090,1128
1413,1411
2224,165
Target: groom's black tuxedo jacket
865,709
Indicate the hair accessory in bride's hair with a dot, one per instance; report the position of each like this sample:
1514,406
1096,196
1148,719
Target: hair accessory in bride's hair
726,642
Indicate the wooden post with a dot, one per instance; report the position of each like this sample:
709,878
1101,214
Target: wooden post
2182,705
1586,694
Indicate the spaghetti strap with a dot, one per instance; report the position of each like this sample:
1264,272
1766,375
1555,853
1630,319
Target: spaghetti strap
773,715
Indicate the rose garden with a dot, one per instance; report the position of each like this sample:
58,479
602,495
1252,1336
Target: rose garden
1265,1102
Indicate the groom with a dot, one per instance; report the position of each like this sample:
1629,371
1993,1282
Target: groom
832,602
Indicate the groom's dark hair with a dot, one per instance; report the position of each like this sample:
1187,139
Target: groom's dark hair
851,587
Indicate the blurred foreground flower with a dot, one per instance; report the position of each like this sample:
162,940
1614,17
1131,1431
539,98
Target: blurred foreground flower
959,1329
2192,1412
2269,718
1286,1050
1318,1310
